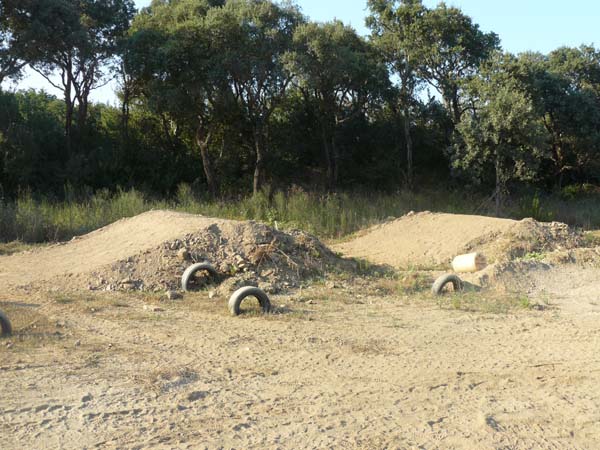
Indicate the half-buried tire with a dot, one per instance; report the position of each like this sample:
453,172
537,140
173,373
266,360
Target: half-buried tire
5,326
190,272
441,282
249,291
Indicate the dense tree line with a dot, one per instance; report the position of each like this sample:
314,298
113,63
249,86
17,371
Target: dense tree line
236,95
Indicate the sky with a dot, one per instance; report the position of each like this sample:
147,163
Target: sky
523,25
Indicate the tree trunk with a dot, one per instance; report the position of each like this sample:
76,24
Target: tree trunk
69,110
452,103
409,150
499,185
335,160
327,154
259,165
125,117
202,140
82,114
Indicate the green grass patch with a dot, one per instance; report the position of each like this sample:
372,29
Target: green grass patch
31,219
486,302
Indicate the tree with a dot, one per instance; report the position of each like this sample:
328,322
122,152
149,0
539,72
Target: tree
11,61
393,27
177,63
258,34
338,71
449,48
77,39
563,91
502,133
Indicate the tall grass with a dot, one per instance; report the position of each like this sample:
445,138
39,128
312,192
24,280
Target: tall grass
328,216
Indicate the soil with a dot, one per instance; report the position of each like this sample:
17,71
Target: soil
429,240
150,252
345,361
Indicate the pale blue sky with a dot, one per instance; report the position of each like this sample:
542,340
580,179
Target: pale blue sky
539,25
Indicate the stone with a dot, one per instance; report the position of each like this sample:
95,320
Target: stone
153,308
183,254
173,295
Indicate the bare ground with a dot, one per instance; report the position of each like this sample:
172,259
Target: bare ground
350,363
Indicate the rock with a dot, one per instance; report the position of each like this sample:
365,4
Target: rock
183,254
196,395
153,308
173,295
271,288
212,294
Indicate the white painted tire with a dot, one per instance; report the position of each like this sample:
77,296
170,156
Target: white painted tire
189,273
438,285
5,325
248,291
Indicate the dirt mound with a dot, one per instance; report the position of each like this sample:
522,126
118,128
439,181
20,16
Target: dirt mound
430,240
151,251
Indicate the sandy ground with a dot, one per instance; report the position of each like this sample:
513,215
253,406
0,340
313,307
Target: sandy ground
422,240
354,364
106,245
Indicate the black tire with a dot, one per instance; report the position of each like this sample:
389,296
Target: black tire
189,273
5,325
438,285
236,299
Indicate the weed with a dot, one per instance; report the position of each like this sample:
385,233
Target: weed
414,281
525,302
485,302
63,300
330,216
591,239
534,256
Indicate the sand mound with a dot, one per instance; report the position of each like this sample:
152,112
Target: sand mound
428,240
151,251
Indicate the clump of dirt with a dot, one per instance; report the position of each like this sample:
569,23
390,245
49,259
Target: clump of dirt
528,239
244,253
431,240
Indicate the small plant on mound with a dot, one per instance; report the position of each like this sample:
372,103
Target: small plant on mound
591,239
414,281
534,256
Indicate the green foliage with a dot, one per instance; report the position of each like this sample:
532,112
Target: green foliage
501,136
339,76
220,98
448,49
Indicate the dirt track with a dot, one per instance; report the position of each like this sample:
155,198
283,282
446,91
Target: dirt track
353,366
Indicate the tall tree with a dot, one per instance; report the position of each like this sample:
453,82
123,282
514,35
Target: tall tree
11,46
338,71
564,94
176,60
449,48
259,33
393,32
501,134
74,39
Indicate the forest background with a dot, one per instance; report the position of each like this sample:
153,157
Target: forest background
248,109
